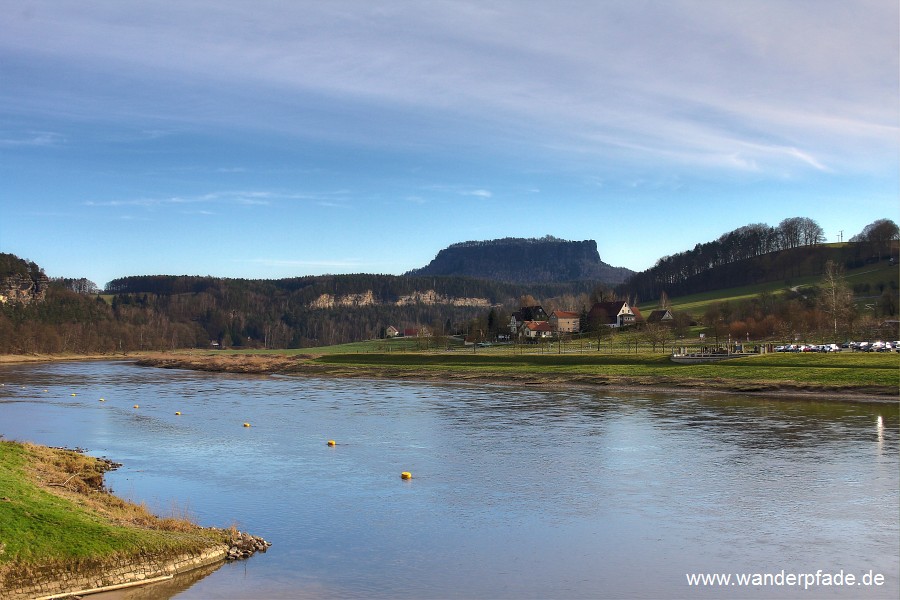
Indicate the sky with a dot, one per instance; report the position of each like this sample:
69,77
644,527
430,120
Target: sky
270,139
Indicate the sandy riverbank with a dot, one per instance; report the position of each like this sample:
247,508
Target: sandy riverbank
9,359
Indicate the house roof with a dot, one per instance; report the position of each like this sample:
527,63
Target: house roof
538,325
530,313
637,314
659,315
565,314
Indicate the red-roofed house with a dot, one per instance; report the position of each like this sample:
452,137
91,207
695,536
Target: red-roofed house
534,330
565,321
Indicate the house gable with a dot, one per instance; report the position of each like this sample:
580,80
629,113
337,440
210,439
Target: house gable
611,314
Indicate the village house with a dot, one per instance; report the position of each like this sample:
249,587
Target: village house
536,330
638,317
416,332
526,313
564,321
391,331
614,313
663,317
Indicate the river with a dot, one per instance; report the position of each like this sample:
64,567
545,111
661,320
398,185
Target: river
515,493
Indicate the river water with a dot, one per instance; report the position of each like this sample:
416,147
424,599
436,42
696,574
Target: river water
515,493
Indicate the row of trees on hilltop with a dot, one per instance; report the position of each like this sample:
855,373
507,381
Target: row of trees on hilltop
722,263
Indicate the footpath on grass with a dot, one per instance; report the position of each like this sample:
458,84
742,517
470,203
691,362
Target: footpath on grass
62,534
854,377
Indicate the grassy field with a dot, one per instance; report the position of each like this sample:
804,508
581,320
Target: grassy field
862,370
53,511
696,304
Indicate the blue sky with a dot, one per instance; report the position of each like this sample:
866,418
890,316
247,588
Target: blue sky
271,139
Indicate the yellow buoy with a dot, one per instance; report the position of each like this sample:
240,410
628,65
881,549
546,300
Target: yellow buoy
73,393
331,442
102,400
136,406
178,413
405,475
246,424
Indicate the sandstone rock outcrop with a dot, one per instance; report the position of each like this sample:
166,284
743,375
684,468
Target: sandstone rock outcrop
23,289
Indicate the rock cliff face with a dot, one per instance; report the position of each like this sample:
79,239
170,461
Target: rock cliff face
21,281
518,260
428,297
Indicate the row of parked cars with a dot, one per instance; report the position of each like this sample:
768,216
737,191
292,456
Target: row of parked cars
878,346
808,348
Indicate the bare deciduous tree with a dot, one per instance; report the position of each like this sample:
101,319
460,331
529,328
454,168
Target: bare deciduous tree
836,298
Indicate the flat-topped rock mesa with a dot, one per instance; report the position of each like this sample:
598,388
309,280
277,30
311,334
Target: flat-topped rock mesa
524,260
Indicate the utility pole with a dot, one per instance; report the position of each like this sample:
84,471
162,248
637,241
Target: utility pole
842,236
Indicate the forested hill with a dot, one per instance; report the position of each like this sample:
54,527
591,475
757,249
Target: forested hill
759,253
165,312
522,260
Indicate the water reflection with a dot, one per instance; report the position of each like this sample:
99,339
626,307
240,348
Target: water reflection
516,493
162,589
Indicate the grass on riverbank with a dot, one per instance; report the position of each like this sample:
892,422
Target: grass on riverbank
860,370
54,511
860,374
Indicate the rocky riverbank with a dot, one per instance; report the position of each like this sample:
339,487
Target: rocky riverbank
244,545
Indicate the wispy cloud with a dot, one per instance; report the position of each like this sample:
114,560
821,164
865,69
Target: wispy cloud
242,198
32,138
811,75
478,193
